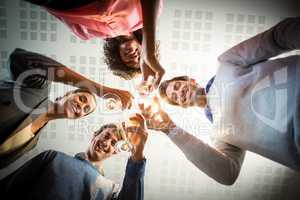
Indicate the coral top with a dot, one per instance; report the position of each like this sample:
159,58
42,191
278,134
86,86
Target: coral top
104,19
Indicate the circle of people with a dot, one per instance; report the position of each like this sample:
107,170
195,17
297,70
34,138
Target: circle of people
128,28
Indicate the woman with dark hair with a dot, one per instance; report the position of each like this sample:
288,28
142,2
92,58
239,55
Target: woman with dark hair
127,26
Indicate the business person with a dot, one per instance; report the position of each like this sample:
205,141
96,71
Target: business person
128,28
25,105
253,102
55,175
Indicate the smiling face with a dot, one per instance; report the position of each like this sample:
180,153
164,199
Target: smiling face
130,52
181,93
102,145
78,104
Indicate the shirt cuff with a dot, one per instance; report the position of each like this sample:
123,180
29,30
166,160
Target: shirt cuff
135,168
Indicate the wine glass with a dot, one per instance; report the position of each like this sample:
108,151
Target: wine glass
145,88
123,145
112,102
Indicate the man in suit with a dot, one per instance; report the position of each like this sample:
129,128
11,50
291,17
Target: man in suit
55,175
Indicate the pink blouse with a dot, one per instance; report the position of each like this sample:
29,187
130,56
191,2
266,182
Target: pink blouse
104,19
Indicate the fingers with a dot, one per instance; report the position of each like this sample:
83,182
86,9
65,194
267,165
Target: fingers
130,104
126,104
146,112
148,109
131,96
156,100
132,129
141,106
145,71
139,116
135,119
136,135
126,98
124,126
158,77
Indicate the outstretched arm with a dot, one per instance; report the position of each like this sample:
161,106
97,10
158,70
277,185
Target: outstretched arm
281,38
36,70
221,161
149,60
133,184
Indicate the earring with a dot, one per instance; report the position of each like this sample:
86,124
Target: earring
193,81
58,98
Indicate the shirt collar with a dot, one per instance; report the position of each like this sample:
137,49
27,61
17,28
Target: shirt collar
207,109
82,156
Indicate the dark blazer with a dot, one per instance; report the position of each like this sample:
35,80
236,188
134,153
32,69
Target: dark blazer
19,97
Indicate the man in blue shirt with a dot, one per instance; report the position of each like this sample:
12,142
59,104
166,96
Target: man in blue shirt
55,175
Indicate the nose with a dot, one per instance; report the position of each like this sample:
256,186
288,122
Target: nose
80,105
129,51
183,94
107,144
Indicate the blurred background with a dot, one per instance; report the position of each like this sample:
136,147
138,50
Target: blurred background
192,34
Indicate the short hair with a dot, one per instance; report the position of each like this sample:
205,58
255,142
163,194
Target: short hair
103,127
113,59
163,88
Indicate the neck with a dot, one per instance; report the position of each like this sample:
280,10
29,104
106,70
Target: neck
97,163
54,113
200,99
39,122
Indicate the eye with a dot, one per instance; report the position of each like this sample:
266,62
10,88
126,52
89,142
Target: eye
82,98
87,109
177,86
107,136
113,142
185,89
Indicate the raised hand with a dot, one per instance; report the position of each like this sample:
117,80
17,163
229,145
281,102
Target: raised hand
151,67
137,135
123,95
156,118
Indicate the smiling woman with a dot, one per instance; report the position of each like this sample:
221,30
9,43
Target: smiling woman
77,103
121,23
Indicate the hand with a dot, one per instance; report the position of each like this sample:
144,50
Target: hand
151,67
125,97
157,120
137,135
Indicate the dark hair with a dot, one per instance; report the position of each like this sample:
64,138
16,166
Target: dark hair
102,128
113,59
163,87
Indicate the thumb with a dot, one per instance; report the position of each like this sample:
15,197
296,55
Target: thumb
156,100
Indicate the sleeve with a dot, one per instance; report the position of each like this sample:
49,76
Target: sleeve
31,69
60,4
283,37
221,161
24,177
133,183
